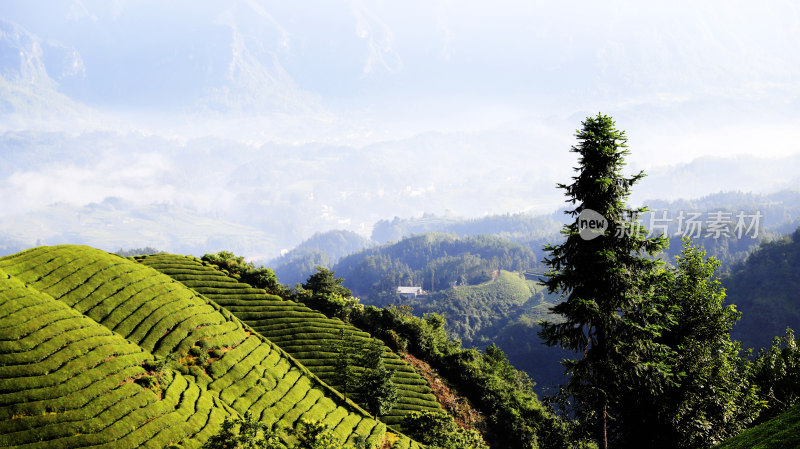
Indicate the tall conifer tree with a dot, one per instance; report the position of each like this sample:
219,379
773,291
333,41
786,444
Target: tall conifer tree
609,316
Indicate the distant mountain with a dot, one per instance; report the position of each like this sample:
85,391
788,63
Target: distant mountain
292,191
518,227
741,173
221,61
481,300
766,289
30,73
322,249
728,225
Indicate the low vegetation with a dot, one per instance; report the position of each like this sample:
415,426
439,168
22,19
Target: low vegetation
781,432
307,335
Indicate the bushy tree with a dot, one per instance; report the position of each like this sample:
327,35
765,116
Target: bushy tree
776,372
316,435
249,433
325,282
375,386
324,291
240,269
360,369
607,316
344,367
711,396
244,433
439,430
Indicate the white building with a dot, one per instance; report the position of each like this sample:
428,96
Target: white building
411,292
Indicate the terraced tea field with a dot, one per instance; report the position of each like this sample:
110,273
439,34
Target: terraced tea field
302,332
66,381
97,350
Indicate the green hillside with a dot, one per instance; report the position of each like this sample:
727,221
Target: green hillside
97,349
302,332
781,432
479,310
766,289
321,249
67,381
433,261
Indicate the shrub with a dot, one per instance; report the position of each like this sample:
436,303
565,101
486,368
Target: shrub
251,434
440,430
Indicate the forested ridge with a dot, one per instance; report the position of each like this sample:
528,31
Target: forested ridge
434,261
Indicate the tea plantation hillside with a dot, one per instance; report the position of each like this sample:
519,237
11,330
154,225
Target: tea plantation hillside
66,381
302,332
99,350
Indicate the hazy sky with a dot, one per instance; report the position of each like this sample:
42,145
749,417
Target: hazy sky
464,83
445,64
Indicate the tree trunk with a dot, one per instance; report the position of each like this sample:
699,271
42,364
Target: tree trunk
605,426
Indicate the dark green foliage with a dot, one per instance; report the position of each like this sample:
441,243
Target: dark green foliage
710,397
146,381
607,315
776,372
729,250
517,419
325,282
766,288
316,435
199,354
251,434
359,368
323,291
345,352
434,261
438,430
260,277
375,385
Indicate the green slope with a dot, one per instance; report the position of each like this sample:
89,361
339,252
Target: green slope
134,313
302,332
433,261
781,432
766,289
474,312
66,381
